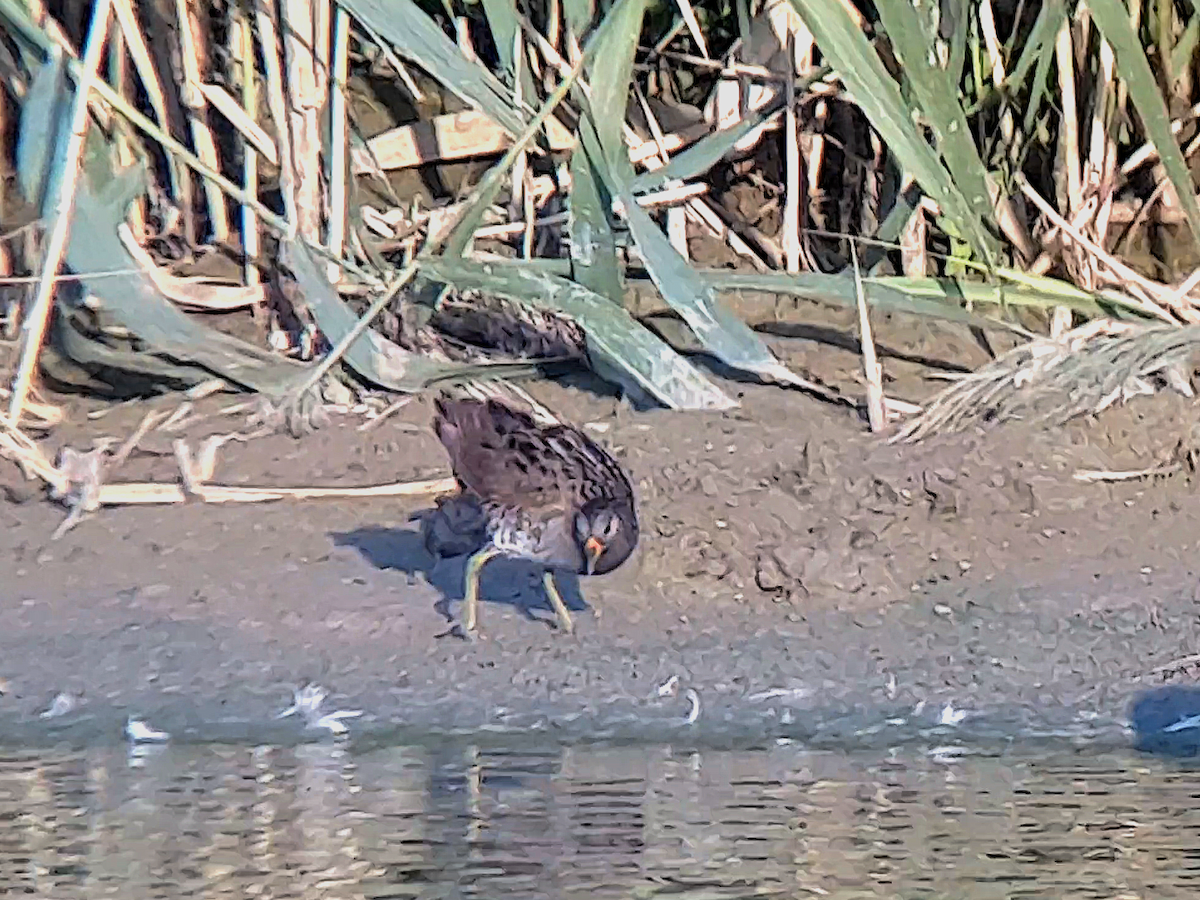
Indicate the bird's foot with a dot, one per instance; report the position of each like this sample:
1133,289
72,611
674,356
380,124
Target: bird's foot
565,623
458,630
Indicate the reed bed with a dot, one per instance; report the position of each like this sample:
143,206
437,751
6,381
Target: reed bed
1024,168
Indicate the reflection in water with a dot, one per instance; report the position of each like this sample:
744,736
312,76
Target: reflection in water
446,820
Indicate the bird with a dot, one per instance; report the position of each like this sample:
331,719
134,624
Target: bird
475,326
543,492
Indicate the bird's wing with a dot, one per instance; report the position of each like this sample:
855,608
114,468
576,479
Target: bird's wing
502,455
495,453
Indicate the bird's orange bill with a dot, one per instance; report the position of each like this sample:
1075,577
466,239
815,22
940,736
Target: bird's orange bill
594,547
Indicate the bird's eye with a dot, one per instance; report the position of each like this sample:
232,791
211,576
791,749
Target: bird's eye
611,525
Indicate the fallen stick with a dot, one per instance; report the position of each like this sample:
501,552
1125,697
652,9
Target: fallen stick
1092,476
32,461
143,493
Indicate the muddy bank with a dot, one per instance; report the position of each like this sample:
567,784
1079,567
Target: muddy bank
803,579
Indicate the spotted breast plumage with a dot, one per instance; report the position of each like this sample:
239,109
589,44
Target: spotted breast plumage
546,493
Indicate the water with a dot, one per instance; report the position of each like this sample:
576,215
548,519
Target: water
453,819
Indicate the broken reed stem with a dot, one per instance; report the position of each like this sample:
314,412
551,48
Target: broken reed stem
872,370
139,493
34,326
338,136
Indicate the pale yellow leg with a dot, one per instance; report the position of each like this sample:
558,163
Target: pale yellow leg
471,601
556,600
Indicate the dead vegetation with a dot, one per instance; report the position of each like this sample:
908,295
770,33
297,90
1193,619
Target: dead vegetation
339,204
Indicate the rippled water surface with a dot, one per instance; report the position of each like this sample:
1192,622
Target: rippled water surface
454,820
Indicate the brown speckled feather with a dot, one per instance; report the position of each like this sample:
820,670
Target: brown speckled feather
502,456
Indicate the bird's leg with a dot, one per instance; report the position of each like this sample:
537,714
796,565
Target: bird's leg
471,600
556,600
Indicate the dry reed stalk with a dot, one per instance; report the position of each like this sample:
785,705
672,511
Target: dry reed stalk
445,138
659,198
243,42
521,163
192,292
646,152
554,16
735,69
194,55
1010,223
872,370
790,237
148,423
339,136
814,156
677,230
384,414
10,308
14,445
49,414
462,35
995,53
119,74
306,51
78,480
33,327
672,33
1069,153
530,212
1096,476
1078,222
1090,208
147,72
1102,156
693,26
1177,295
702,214
50,26
249,130
914,242
140,493
1151,292
267,12
676,217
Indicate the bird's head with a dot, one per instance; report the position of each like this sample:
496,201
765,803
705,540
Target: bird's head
606,535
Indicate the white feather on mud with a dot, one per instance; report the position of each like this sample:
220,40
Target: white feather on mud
306,702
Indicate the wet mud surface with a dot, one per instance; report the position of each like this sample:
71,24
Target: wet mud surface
802,577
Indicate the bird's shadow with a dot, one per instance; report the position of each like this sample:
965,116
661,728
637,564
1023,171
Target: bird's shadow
515,582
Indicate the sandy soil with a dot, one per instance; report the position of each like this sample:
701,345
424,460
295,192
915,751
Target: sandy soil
795,572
